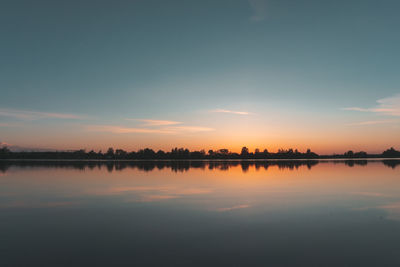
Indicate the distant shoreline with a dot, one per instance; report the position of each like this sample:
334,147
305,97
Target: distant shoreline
186,154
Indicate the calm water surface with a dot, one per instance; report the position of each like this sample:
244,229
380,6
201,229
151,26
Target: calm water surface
283,213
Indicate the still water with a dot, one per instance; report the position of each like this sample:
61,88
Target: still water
274,213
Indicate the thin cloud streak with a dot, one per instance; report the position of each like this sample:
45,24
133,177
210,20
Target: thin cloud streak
363,123
356,109
369,194
34,115
386,106
243,206
190,129
123,130
231,112
157,198
148,122
157,126
164,130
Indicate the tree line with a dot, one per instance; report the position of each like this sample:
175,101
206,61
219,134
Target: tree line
184,153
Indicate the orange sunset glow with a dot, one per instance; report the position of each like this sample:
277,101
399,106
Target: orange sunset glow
199,133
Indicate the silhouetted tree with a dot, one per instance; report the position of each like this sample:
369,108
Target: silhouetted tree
146,153
120,154
360,154
160,154
349,154
197,154
391,153
223,151
244,152
265,153
110,153
258,154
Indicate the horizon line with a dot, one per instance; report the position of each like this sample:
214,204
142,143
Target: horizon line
18,149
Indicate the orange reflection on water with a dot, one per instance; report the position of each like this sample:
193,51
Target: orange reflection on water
237,187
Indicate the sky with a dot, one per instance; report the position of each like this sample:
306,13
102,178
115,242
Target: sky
200,74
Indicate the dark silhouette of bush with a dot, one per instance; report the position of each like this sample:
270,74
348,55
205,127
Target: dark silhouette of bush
391,153
4,150
351,154
244,152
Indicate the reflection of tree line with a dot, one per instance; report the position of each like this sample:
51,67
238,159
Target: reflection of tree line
181,165
392,163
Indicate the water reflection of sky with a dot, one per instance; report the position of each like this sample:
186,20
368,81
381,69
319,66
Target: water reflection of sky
331,206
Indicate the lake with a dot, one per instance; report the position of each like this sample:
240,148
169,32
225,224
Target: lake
200,213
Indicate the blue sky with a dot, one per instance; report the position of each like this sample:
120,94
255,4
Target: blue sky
291,65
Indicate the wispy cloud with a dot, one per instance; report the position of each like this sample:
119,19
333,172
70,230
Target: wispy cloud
34,115
259,8
362,123
231,112
153,126
189,129
369,194
243,206
156,198
387,106
356,109
148,122
123,130
163,130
